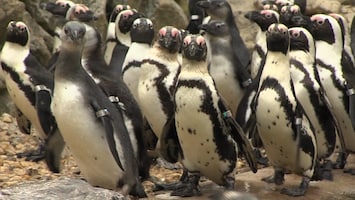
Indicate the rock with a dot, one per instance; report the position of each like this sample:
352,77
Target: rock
61,188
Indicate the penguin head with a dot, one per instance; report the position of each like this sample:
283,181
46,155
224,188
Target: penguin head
270,5
60,7
326,28
217,28
17,32
287,12
118,8
194,47
264,18
342,22
217,9
125,20
282,3
277,38
301,39
142,31
73,35
80,12
169,38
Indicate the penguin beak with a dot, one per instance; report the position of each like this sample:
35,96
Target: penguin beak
203,27
252,15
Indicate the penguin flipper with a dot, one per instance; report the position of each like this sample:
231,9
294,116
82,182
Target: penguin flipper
23,122
43,102
54,147
352,35
241,139
169,142
104,115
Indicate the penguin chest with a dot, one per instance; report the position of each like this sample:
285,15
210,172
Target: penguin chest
84,135
197,132
24,98
154,95
274,126
223,73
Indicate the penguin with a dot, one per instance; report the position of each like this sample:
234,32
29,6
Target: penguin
270,5
221,10
142,35
284,128
123,24
157,78
97,136
347,58
30,87
312,96
336,79
301,3
352,36
207,142
286,14
225,67
197,15
118,93
263,19
111,39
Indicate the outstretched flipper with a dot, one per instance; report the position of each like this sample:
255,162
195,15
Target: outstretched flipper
104,115
240,138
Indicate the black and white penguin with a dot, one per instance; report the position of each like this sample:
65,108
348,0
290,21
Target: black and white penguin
206,139
197,15
335,78
111,39
97,136
283,127
263,18
142,35
123,24
301,3
311,95
157,79
221,10
348,58
29,84
225,68
118,93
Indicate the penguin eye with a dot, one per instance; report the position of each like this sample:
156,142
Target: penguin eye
295,35
184,44
150,26
66,30
320,22
268,15
134,26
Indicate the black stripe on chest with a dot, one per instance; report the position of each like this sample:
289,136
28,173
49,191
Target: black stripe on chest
286,105
132,64
30,95
321,110
336,82
165,94
225,148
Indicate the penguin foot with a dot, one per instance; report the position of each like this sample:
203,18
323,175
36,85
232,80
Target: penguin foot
33,155
349,171
327,170
277,178
260,159
299,191
188,189
341,161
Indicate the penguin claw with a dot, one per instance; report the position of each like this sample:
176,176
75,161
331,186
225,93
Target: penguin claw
277,178
186,190
299,191
349,171
33,155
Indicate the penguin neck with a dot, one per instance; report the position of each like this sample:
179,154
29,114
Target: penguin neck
328,52
13,54
111,33
164,53
56,40
277,65
123,38
194,66
68,63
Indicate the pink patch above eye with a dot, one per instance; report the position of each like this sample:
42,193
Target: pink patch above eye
200,40
174,32
127,13
187,40
162,32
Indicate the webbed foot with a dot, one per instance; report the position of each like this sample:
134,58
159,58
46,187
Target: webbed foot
277,178
299,191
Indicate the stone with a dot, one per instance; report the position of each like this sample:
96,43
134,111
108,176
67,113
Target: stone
61,188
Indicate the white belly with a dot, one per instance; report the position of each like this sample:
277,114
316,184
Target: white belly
228,87
196,136
22,103
84,136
